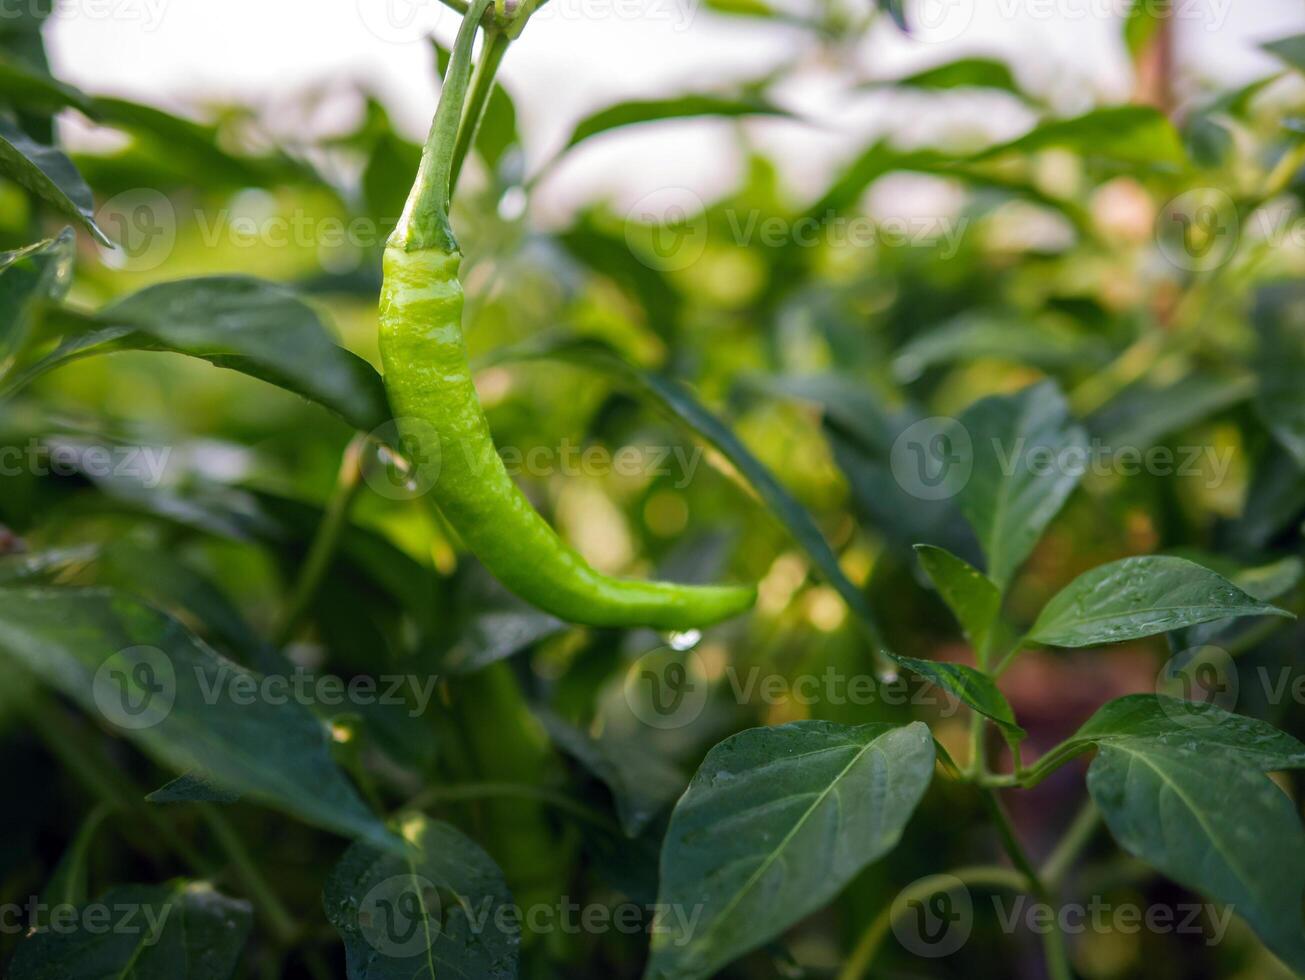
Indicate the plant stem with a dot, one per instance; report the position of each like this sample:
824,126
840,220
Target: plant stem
482,87
978,768
1053,943
425,220
279,922
1052,760
1009,842
1071,845
327,539
863,954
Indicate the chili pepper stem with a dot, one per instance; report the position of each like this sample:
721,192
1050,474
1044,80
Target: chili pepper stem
425,220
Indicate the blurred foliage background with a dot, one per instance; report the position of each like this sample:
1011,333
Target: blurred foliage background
1147,256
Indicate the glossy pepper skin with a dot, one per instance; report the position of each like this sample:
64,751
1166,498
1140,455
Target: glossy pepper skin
429,382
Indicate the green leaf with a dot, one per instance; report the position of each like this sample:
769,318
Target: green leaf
1280,321
678,403
27,87
1047,344
1136,137
1263,582
167,581
67,886
679,107
610,255
248,325
39,566
438,912
1136,597
897,11
1194,725
862,428
1208,140
193,148
1144,413
1027,458
975,689
29,277
1169,805
962,73
182,703
1141,23
180,931
643,783
48,174
973,598
191,787
774,824
497,635
1290,50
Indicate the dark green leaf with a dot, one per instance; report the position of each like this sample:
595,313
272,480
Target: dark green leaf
975,689
1027,457
29,277
247,325
497,635
438,912
1048,344
972,597
1263,582
774,824
643,783
1136,597
862,430
1193,725
191,787
1290,50
1144,413
27,87
49,175
1280,320
1208,141
1169,805
181,702
179,931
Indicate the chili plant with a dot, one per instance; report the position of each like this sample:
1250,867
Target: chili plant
1024,514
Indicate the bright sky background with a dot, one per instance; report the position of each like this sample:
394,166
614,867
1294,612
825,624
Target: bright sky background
578,55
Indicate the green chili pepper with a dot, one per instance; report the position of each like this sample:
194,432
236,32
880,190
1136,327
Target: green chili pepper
429,383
